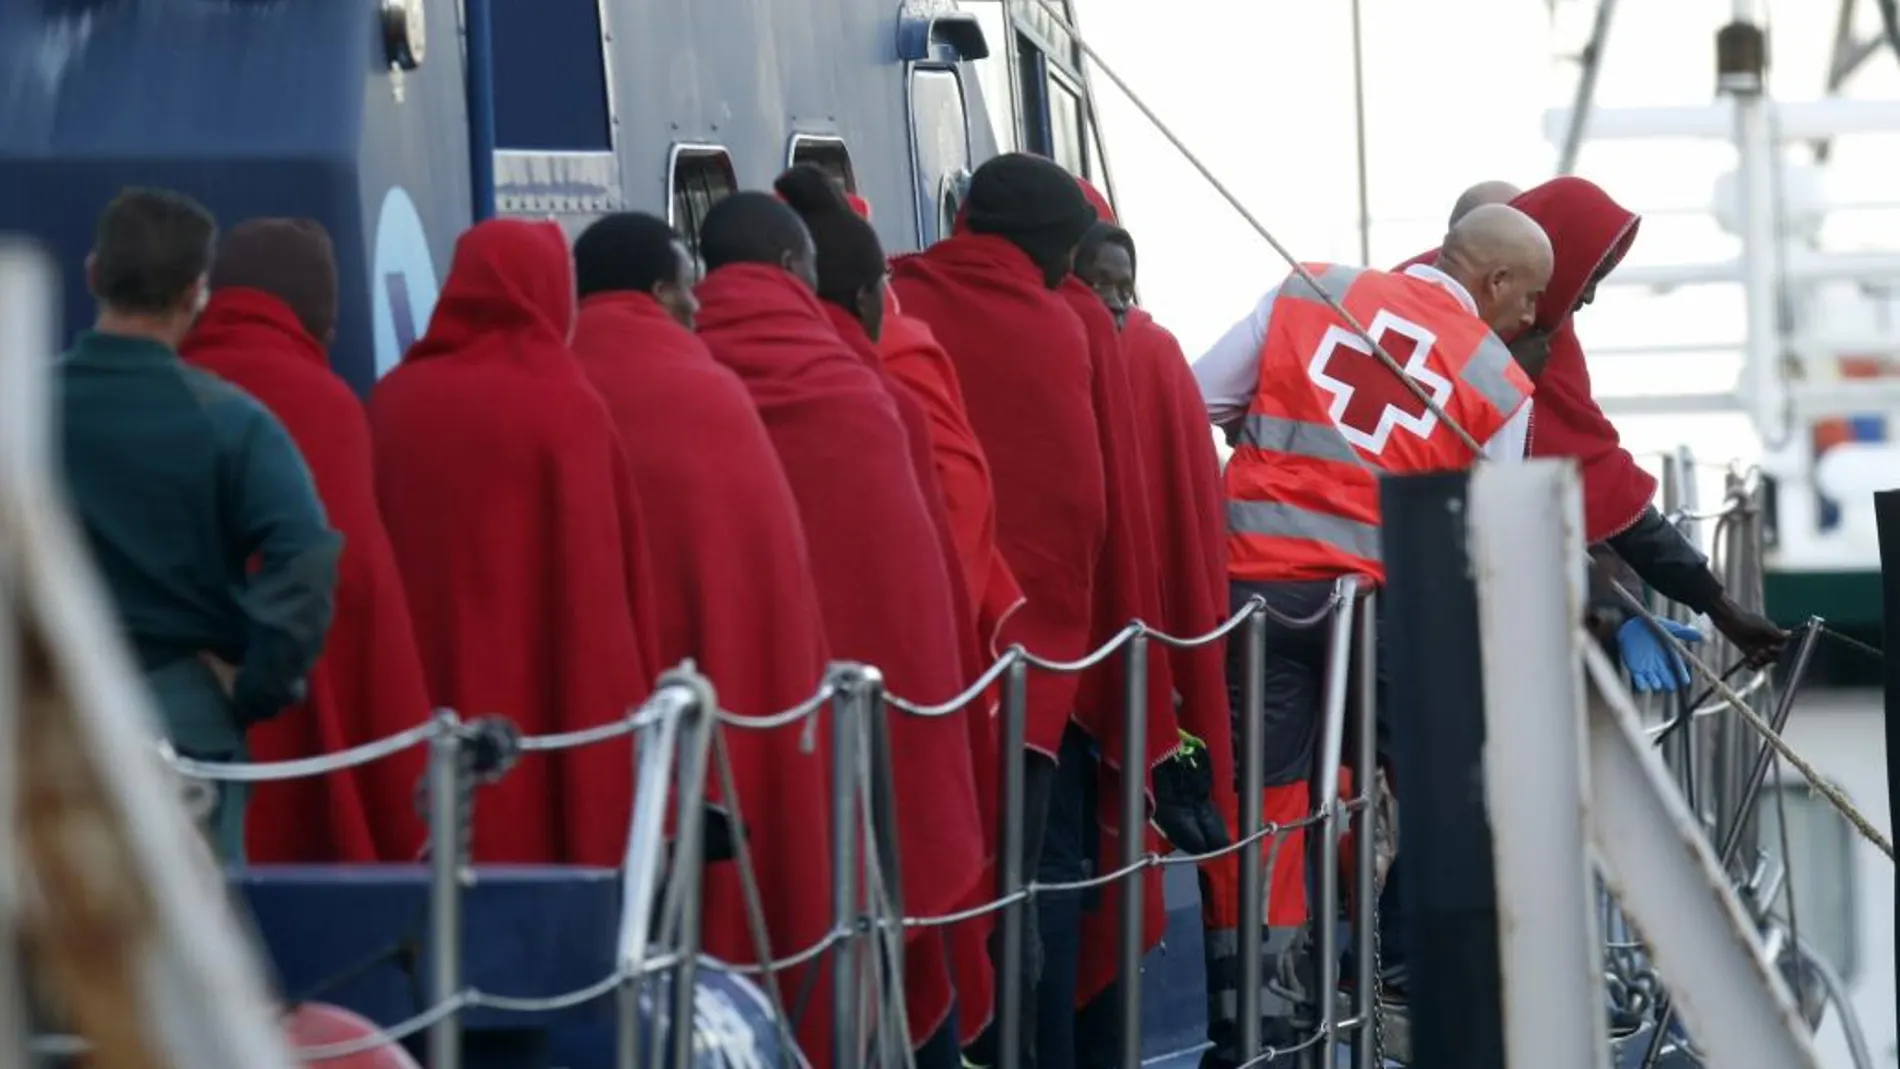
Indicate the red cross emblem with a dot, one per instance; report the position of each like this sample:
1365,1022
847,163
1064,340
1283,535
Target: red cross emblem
1368,401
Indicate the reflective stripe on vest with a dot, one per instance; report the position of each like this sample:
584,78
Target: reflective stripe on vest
1327,420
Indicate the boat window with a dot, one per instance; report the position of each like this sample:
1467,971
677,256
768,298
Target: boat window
702,177
992,73
955,188
550,71
1032,82
938,120
1820,872
1066,146
829,154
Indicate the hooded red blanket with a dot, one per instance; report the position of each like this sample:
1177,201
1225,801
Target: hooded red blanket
512,513
369,683
878,559
1023,360
969,955
1590,233
723,532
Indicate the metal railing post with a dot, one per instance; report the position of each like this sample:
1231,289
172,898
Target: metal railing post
845,707
1735,830
1253,876
448,785
1365,893
1134,826
684,894
654,747
1009,879
1332,750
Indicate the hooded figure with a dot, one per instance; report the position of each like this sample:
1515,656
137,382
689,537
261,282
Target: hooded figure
732,579
877,553
272,312
1590,234
513,515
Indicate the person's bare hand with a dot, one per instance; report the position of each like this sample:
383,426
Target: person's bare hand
223,671
1754,634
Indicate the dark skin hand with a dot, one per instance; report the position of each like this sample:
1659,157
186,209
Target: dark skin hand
1754,634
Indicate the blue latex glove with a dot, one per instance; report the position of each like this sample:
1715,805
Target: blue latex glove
1651,665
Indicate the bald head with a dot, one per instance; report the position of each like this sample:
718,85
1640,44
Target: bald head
1480,195
1502,257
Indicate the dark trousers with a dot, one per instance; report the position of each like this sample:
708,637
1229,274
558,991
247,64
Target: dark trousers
1293,688
1059,845
1039,775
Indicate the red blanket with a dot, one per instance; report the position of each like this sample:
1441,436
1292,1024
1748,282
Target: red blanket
369,683
1128,587
1590,233
915,361
968,947
1190,529
1023,360
511,509
725,539
879,564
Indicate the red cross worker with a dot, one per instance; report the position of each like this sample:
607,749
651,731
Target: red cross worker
1316,418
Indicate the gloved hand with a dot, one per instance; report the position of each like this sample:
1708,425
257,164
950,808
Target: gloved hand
1184,803
1653,666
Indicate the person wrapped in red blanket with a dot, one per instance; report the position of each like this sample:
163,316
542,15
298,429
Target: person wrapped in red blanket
883,582
271,316
915,361
1033,384
732,584
851,287
1196,802
513,516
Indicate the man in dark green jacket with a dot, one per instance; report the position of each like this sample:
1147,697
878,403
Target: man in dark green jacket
200,512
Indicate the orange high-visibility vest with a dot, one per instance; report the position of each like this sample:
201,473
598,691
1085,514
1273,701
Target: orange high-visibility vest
1328,419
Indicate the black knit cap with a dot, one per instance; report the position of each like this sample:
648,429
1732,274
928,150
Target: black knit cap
290,259
1033,203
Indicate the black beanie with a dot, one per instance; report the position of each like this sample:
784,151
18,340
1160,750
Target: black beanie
1033,203
290,259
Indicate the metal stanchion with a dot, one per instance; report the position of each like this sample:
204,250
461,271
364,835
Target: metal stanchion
654,747
1009,880
684,894
447,857
1325,915
1365,774
1134,824
1735,829
845,708
1252,875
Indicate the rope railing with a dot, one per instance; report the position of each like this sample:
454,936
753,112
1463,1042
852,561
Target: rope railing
846,687
656,724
